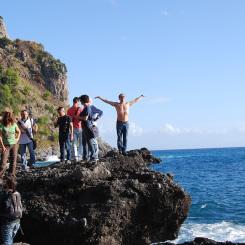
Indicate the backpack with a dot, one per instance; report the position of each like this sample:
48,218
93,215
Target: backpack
11,206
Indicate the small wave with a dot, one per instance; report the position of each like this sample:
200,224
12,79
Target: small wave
221,232
204,206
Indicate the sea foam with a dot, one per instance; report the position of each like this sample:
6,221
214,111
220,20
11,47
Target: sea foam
221,232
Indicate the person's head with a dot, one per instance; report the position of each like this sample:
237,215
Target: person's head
84,99
9,184
76,101
61,111
121,97
7,118
90,101
24,114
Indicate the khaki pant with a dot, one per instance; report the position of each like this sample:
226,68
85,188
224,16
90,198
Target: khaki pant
12,152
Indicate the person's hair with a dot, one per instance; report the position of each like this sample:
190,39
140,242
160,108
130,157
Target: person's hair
9,183
84,99
24,110
7,118
60,108
121,95
75,100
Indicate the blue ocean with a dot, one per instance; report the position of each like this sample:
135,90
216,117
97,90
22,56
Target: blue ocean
215,179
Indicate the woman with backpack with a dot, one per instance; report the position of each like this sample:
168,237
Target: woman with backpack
9,137
10,211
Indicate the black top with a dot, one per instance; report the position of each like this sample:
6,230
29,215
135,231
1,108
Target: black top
87,124
64,127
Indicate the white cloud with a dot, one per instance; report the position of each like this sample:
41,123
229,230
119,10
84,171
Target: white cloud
164,12
170,129
135,129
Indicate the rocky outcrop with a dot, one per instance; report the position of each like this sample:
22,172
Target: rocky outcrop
203,241
3,30
120,199
35,65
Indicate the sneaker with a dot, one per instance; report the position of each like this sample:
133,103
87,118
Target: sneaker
68,161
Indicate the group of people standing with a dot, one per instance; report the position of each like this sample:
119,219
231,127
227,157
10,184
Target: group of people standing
14,135
78,131
79,127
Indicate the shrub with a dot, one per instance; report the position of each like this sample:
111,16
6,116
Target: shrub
4,41
46,95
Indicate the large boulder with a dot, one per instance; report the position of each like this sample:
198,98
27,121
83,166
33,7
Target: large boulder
117,201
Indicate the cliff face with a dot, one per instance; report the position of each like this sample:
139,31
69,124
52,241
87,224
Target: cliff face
123,202
3,31
36,66
32,79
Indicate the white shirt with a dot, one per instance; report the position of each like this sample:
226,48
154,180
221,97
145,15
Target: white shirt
24,139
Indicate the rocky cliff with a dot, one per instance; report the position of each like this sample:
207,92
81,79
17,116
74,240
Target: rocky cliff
3,30
34,64
31,78
121,200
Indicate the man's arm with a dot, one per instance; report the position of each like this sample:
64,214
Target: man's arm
95,110
106,101
21,126
136,100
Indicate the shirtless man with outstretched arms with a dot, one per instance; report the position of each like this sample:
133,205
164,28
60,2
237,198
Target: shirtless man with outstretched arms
122,108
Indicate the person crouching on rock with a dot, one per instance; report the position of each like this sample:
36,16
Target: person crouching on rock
9,137
65,134
90,131
10,211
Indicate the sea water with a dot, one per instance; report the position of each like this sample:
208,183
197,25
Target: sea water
215,180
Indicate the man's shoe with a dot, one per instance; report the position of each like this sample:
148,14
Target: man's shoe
68,161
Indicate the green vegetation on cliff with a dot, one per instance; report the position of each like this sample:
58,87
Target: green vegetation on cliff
10,93
32,78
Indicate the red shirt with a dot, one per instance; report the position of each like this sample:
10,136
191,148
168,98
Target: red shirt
74,111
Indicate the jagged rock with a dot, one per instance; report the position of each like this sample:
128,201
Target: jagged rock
122,201
3,30
146,154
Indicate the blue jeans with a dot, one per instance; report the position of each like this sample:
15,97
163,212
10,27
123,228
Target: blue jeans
77,147
24,161
65,144
8,231
90,147
122,135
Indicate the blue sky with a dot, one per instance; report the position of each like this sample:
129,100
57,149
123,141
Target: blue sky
187,57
